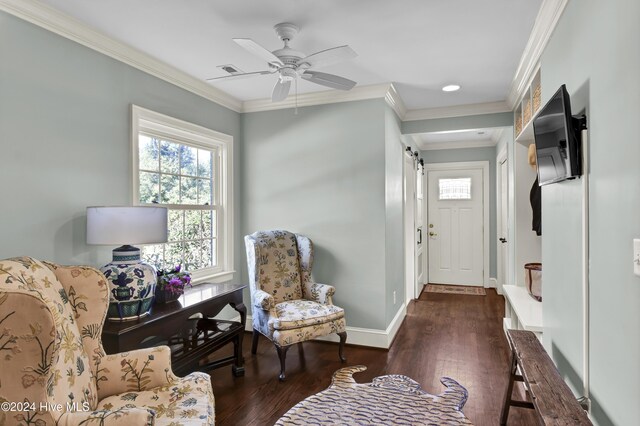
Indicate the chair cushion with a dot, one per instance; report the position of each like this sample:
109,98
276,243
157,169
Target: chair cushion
303,313
188,401
278,265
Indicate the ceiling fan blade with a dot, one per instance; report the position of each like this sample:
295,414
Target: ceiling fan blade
258,50
240,75
330,56
329,80
280,90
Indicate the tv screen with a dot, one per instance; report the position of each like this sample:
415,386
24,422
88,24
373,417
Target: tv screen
557,140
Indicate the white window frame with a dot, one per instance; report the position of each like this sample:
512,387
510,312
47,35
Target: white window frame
176,130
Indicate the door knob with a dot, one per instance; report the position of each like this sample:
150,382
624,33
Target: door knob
503,240
432,234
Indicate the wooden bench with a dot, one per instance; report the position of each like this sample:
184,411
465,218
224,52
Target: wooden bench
552,399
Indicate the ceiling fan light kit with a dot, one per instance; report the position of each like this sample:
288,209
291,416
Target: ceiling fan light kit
291,64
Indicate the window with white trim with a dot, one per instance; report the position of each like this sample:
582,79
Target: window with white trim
186,168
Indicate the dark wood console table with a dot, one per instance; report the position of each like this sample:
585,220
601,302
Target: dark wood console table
190,339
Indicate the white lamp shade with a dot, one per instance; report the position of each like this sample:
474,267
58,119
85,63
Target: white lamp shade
126,225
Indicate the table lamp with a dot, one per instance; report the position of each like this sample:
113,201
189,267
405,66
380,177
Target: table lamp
132,282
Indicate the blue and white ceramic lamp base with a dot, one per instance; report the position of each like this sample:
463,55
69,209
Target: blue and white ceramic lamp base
132,285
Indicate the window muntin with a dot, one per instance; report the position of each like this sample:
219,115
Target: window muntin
454,189
187,169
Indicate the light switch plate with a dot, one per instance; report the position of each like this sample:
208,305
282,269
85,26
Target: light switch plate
636,256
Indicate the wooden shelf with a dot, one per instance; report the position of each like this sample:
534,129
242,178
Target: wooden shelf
526,110
526,135
528,311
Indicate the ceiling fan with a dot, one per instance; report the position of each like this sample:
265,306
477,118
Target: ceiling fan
290,64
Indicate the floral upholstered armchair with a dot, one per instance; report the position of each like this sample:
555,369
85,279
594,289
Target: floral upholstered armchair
288,307
54,371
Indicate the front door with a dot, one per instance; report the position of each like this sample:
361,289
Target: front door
455,226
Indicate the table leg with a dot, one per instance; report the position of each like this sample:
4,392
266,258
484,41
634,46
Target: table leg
238,368
242,310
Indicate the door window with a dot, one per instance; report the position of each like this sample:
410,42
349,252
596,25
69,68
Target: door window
454,189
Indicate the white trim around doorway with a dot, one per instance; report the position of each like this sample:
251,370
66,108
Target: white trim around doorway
500,279
466,165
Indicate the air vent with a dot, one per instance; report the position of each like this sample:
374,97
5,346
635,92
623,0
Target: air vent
231,69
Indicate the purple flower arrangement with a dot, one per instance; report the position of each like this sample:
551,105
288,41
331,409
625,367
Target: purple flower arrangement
173,280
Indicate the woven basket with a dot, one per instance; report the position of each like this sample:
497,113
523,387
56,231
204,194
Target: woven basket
536,99
533,280
518,125
526,115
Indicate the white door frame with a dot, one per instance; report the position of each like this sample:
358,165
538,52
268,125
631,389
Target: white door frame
484,166
409,226
501,278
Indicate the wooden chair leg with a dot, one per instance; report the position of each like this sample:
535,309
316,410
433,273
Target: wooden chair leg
343,339
254,343
282,354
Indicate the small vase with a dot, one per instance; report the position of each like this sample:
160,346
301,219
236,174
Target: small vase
166,296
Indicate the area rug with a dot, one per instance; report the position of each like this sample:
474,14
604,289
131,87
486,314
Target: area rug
455,289
387,400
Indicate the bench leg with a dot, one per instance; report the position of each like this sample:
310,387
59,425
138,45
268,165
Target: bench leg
507,397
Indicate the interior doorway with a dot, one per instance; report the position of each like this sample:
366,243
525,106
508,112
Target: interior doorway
410,240
457,217
502,192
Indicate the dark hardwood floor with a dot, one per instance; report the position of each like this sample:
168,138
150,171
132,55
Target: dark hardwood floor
459,336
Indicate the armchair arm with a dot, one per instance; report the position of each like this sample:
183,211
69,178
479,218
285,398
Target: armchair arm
321,293
122,416
263,300
135,371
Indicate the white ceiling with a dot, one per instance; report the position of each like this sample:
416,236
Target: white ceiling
458,138
419,45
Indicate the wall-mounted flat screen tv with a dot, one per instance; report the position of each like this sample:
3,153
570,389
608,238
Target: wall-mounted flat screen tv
558,140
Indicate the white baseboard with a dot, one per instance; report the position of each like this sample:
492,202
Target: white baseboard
360,336
493,283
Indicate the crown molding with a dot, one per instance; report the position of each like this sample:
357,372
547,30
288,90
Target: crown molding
59,23
497,135
432,146
457,111
545,23
394,100
358,93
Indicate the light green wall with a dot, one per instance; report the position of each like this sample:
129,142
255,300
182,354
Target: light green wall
394,214
474,154
321,173
64,139
595,51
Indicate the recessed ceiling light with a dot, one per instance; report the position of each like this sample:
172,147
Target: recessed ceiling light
451,88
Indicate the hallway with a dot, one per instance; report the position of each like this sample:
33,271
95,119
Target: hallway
459,336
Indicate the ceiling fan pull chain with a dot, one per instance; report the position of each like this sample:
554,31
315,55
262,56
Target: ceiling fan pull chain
295,111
